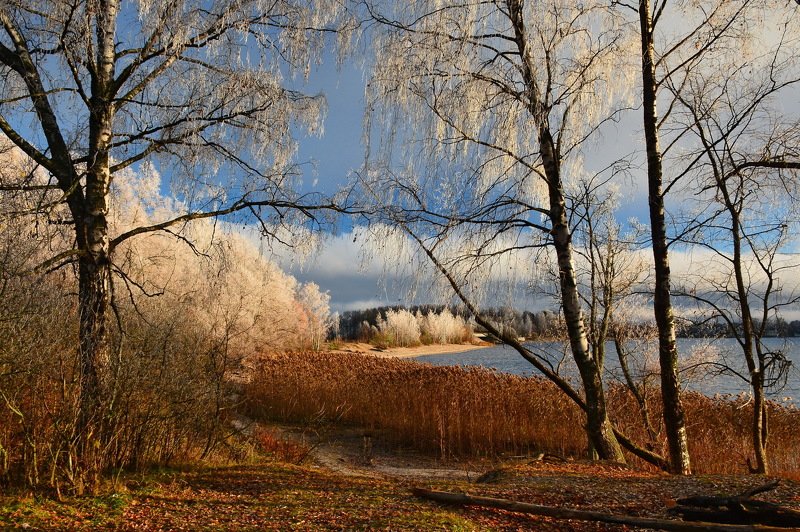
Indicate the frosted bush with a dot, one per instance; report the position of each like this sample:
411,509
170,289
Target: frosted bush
442,328
316,305
400,327
216,278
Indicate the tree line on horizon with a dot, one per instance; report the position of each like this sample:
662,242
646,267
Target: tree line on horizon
356,325
361,325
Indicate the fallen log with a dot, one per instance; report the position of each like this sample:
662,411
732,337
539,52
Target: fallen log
586,515
737,509
714,500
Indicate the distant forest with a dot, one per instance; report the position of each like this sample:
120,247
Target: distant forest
778,327
355,325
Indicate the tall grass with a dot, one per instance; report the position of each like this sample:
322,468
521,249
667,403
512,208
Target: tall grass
478,412
719,433
449,411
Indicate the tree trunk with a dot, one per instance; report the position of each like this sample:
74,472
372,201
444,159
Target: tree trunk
748,336
96,391
759,429
91,224
94,359
674,419
598,427
555,512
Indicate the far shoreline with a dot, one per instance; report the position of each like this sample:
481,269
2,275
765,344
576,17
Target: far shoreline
408,352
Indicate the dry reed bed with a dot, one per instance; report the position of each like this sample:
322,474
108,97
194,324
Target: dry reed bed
454,411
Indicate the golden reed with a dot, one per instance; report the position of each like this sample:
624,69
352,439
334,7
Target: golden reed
459,412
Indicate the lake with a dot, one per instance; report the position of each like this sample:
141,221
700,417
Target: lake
709,365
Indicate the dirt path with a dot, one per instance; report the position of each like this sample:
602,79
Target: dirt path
358,453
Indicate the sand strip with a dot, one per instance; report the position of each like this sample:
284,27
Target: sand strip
409,352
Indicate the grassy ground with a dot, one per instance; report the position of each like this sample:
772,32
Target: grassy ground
275,496
270,495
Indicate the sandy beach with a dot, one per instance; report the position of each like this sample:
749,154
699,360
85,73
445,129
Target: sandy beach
408,352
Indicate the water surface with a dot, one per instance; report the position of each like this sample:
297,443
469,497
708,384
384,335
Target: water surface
711,364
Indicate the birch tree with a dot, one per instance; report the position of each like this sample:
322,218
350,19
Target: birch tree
678,38
673,37
662,304
610,269
92,87
316,306
485,107
612,272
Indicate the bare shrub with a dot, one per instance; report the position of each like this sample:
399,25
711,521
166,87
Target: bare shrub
284,449
38,401
190,310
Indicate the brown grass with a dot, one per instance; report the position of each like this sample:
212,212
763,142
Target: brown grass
283,449
719,431
478,412
446,410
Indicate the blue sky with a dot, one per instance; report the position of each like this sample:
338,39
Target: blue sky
327,160
352,276
338,265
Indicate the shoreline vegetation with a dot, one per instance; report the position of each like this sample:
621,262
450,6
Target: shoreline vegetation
473,412
355,426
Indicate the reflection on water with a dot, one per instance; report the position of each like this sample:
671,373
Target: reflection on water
710,366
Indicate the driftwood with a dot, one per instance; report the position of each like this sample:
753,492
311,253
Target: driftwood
586,515
737,509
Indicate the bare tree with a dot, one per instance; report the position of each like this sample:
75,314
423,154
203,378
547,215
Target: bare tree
612,274
670,48
92,87
189,321
494,102
745,169
610,269
662,305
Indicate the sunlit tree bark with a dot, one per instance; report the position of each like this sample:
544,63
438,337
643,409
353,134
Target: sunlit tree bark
662,304
611,272
669,52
